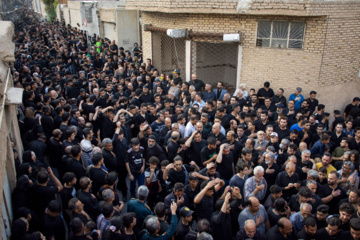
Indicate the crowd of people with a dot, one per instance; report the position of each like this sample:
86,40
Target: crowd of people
115,149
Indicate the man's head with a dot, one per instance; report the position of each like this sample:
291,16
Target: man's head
322,212
152,225
346,210
143,192
135,144
326,160
284,226
305,156
269,157
310,226
290,168
186,214
355,228
305,210
354,196
211,143
260,135
210,192
312,185
258,173
333,178
253,204
178,190
75,205
246,154
216,128
333,226
347,168
305,194
178,162
107,144
250,228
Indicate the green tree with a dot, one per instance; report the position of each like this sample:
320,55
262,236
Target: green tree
50,8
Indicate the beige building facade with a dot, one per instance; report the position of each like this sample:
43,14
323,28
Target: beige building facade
108,19
324,57
9,129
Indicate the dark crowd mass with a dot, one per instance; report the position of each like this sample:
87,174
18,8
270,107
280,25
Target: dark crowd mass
116,149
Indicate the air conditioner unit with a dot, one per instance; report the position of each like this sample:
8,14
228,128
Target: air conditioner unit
231,37
177,33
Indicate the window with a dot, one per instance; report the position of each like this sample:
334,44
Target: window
280,34
88,15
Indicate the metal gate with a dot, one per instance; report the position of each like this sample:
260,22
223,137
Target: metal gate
168,53
214,61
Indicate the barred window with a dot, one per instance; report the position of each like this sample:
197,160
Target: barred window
88,15
280,34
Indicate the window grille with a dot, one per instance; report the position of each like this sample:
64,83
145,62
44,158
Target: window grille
280,34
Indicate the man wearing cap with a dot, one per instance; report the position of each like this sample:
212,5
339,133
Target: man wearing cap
177,78
184,223
297,97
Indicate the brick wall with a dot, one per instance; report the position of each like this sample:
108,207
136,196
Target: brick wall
329,62
279,66
107,15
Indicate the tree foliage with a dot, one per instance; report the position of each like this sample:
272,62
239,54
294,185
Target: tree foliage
50,8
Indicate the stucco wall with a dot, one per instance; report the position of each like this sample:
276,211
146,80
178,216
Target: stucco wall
74,8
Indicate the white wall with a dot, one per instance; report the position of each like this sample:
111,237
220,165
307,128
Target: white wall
75,16
66,14
127,22
92,27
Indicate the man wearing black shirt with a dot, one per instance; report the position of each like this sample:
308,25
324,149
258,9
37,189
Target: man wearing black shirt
221,113
172,147
208,154
91,204
42,193
332,231
265,92
195,143
52,223
332,193
205,200
107,126
282,130
235,146
322,212
198,84
73,164
309,230
96,173
178,196
355,102
179,172
346,211
355,141
281,231
219,137
337,136
192,188
288,180
225,163
184,223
